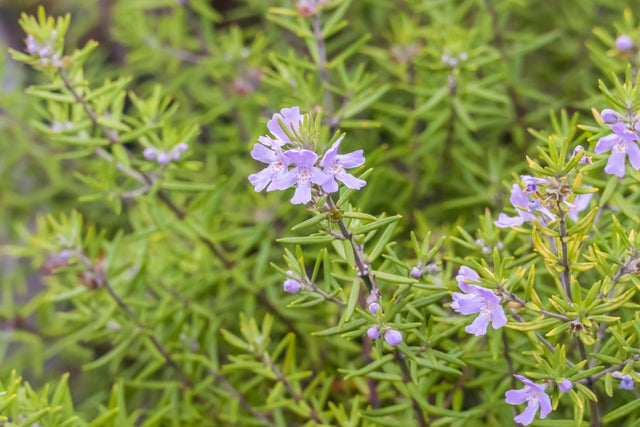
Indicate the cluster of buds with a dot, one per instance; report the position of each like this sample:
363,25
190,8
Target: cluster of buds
45,49
417,271
163,157
58,127
453,60
489,249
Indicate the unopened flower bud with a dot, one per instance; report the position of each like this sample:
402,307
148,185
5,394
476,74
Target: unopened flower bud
32,45
292,286
500,246
464,56
182,147
565,385
393,337
416,272
373,332
65,254
609,115
149,153
163,158
624,43
374,307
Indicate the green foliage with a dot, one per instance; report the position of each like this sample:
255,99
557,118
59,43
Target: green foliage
150,292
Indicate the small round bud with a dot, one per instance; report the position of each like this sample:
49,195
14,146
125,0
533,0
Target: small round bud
393,337
565,385
480,242
445,58
609,116
182,147
624,43
374,307
56,61
163,158
175,156
486,250
44,52
416,273
292,286
65,254
500,246
453,62
432,268
464,56
373,332
149,153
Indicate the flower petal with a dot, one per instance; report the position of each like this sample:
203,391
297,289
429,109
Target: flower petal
606,143
479,326
331,153
302,194
351,181
352,160
633,151
263,154
261,179
516,397
505,221
528,415
518,199
498,318
301,157
615,165
545,404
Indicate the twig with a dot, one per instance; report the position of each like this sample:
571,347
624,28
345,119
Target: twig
514,298
298,397
323,71
406,378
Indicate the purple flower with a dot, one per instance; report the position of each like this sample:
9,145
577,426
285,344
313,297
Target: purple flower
477,299
531,183
278,165
303,174
580,203
290,118
520,202
373,332
335,164
626,381
374,307
393,337
524,206
621,143
535,397
609,115
565,385
182,147
416,273
624,42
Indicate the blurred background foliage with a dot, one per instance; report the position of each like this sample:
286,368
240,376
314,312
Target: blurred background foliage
438,93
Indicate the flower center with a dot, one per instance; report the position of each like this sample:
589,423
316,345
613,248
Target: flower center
303,174
276,167
533,399
620,148
486,310
336,168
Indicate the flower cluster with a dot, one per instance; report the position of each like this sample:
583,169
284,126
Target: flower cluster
477,299
452,60
299,165
391,336
163,157
527,202
45,49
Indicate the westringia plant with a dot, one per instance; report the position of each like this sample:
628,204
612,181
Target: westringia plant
530,319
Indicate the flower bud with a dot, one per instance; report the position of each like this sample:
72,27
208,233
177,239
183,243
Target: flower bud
624,43
565,385
182,147
393,337
163,158
374,307
609,115
65,254
149,153
292,286
416,273
373,332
